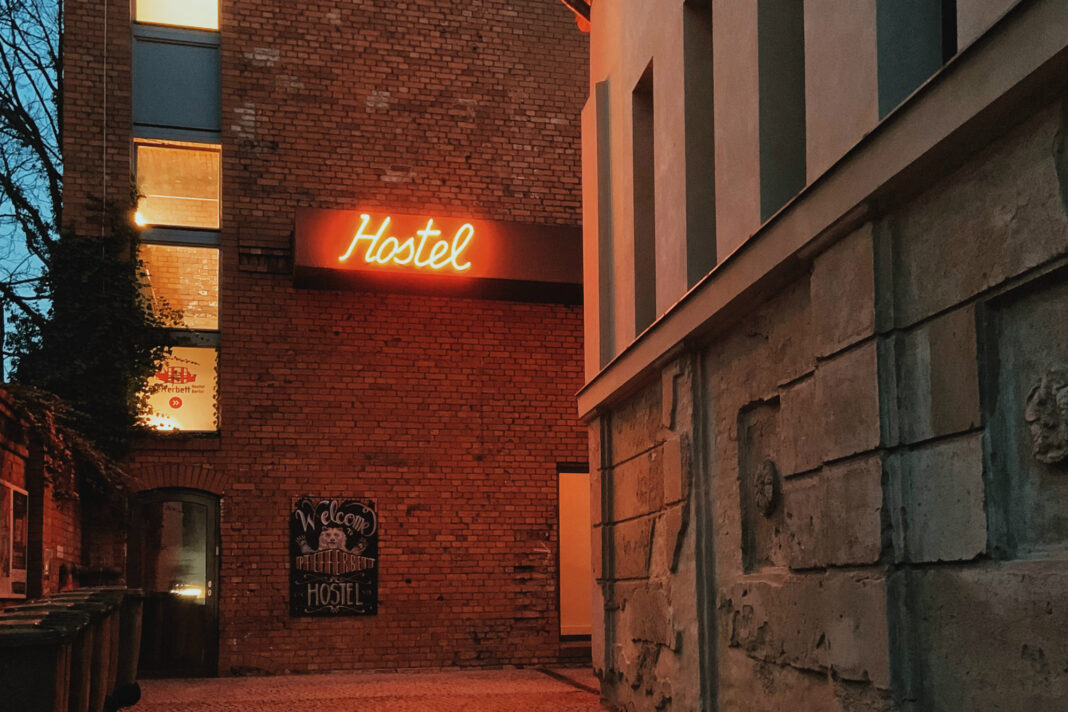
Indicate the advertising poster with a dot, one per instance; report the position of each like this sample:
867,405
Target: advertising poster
14,532
182,393
333,545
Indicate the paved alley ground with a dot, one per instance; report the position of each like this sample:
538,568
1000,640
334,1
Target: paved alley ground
537,690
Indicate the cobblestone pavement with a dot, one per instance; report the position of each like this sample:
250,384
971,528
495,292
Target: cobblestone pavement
542,690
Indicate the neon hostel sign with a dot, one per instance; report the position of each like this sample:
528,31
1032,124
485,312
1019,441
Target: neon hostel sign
393,251
423,250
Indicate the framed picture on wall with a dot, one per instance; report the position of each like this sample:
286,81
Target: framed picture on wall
14,532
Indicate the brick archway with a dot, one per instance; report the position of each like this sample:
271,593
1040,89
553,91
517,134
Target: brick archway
197,477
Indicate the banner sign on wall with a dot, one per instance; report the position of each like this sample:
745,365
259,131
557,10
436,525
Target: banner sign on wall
333,551
14,537
434,254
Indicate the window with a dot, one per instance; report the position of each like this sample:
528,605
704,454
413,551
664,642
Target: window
915,38
644,202
185,279
178,183
781,69
175,80
182,394
202,14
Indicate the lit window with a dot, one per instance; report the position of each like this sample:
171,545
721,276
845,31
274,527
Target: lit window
178,183
203,14
185,279
182,394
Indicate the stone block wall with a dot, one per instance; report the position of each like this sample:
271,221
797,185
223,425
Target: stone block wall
874,469
646,645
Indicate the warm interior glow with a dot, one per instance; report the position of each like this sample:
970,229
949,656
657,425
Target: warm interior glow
203,14
385,249
576,567
188,590
178,183
187,279
182,393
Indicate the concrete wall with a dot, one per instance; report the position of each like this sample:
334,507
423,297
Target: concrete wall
881,526
843,489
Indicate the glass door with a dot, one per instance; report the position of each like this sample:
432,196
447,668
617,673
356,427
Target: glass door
173,556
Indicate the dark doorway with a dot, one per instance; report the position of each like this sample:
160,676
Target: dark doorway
173,556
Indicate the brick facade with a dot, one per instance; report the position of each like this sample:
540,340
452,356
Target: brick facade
452,414
56,526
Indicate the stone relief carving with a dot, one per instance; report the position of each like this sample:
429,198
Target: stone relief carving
766,488
1046,414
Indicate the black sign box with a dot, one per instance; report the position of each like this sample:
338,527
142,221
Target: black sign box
333,557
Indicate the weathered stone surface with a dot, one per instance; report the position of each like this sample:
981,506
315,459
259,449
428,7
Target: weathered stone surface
638,485
995,217
631,548
757,686
834,621
1025,346
774,347
677,466
940,511
593,431
800,445
856,627
987,637
843,293
847,398
597,631
645,616
636,426
667,540
938,377
760,486
833,517
669,387
597,551
596,484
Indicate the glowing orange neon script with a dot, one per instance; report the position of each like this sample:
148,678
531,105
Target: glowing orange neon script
412,251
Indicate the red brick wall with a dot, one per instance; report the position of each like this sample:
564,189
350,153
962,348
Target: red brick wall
438,107
55,520
61,542
452,414
96,142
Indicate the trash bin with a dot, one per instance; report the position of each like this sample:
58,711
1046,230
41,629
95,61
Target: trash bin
127,690
34,665
105,619
78,625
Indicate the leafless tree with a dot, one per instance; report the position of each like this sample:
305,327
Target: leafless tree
31,165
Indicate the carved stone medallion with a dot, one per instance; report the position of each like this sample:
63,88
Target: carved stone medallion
1046,413
766,488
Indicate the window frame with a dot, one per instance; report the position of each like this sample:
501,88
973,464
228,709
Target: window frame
161,231
171,25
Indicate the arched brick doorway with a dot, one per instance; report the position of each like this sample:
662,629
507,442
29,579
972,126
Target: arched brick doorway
174,556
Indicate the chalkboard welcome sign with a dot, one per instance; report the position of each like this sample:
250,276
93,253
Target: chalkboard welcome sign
333,545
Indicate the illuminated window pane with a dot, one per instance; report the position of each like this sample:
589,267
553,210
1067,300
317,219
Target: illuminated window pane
203,14
182,394
185,279
179,184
